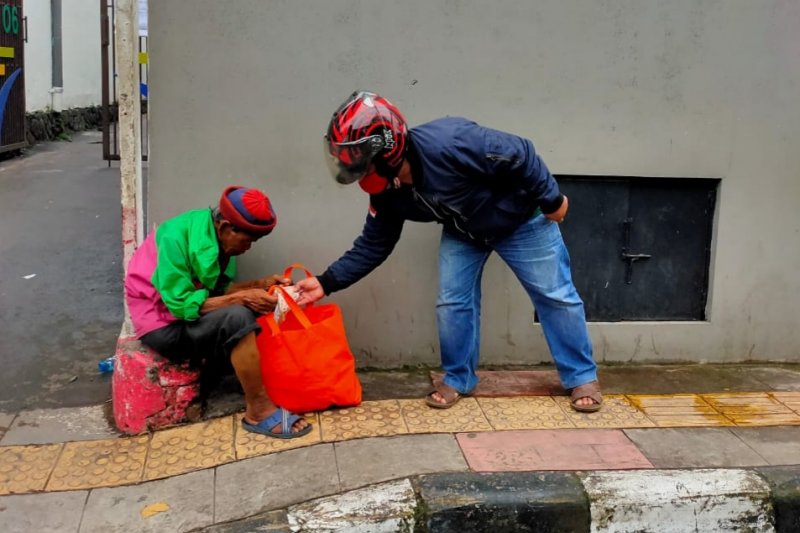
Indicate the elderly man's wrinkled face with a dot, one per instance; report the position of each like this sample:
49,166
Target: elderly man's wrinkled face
233,240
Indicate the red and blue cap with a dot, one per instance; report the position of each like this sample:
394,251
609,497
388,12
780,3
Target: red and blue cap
248,209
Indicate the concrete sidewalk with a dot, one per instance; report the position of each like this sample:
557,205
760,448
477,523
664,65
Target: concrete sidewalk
671,443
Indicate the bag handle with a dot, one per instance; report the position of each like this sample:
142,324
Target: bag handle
293,307
272,325
288,272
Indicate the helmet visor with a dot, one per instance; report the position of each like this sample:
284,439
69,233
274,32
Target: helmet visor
350,161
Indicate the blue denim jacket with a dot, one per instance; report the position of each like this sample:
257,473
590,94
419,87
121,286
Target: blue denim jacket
480,183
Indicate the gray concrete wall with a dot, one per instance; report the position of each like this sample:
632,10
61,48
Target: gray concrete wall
80,55
241,92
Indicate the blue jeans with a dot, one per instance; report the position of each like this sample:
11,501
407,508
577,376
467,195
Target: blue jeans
536,254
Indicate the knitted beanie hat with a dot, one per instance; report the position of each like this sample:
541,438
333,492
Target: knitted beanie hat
248,209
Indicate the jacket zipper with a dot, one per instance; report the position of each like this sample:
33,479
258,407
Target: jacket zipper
495,157
442,218
419,197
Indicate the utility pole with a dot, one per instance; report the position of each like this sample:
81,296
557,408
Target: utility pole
126,38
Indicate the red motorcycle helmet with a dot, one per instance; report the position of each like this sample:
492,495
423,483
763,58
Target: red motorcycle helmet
366,140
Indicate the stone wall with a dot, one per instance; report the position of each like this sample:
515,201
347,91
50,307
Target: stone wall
55,125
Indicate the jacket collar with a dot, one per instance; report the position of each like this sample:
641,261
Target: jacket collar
412,156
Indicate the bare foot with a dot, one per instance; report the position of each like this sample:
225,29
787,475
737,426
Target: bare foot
585,401
443,397
587,397
438,398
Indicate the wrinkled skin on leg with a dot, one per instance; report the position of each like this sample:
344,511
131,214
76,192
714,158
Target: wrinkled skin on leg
247,364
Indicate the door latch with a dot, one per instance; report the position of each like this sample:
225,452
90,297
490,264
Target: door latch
630,258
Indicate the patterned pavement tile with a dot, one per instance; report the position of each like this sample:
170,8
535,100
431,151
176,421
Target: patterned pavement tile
370,419
466,415
559,449
753,409
789,399
193,447
531,412
99,463
252,444
678,410
617,412
26,468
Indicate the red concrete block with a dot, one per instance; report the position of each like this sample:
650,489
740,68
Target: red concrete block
504,383
562,449
148,391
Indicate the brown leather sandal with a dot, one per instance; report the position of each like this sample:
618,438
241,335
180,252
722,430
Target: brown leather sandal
587,390
450,395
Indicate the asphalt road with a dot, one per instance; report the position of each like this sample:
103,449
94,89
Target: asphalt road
60,275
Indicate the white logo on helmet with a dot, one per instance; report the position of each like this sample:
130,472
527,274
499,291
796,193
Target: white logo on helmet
388,138
368,102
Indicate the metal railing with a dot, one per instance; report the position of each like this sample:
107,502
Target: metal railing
109,102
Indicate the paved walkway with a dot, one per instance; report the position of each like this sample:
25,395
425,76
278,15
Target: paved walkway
61,283
212,472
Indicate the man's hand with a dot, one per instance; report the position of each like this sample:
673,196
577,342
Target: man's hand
275,279
258,300
310,291
560,213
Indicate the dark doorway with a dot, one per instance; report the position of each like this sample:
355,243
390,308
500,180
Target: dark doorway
640,247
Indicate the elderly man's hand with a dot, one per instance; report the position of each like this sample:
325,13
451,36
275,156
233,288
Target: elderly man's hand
258,300
275,279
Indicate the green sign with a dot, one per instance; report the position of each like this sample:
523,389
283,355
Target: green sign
9,16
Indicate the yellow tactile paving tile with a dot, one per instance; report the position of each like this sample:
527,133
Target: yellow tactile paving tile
187,448
252,444
617,412
524,412
789,399
370,419
678,410
26,468
99,463
766,419
114,462
465,416
752,409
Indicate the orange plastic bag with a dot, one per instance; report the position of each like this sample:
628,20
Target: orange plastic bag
306,362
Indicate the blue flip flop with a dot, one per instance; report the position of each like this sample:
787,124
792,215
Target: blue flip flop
282,417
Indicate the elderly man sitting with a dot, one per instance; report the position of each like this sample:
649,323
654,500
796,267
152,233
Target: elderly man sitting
183,302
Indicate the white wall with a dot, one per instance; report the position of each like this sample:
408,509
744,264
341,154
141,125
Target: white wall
241,92
80,41
80,36
38,58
